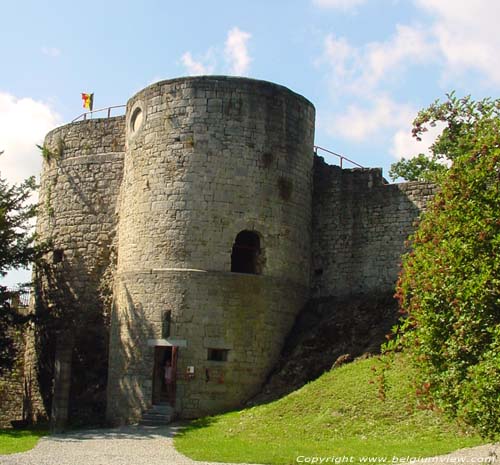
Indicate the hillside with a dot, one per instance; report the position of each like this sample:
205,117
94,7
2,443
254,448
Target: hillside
330,332
348,412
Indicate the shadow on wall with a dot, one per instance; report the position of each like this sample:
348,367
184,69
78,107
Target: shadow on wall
72,327
360,225
328,333
130,359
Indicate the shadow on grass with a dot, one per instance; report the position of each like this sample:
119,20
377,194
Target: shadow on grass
135,432
195,425
23,433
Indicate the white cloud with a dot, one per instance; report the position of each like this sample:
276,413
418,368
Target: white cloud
408,46
23,124
362,123
235,55
236,51
467,34
51,51
404,145
359,70
363,75
205,65
339,4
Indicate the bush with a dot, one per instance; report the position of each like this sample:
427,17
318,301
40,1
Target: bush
450,282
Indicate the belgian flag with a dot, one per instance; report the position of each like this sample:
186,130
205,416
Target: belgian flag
88,101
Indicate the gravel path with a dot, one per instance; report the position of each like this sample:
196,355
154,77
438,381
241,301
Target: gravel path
132,445
143,445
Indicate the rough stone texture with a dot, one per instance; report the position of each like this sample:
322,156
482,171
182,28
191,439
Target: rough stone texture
194,162
77,218
214,156
12,386
360,225
328,332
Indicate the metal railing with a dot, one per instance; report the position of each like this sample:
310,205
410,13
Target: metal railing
83,116
19,298
341,157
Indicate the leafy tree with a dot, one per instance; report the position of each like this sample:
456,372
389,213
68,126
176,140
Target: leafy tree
419,168
450,282
16,250
462,119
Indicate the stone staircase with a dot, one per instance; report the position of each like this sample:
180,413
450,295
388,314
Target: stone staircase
157,415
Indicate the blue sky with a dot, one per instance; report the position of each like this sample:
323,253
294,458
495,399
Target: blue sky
367,65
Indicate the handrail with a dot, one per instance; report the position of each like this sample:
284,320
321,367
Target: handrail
19,297
341,157
108,109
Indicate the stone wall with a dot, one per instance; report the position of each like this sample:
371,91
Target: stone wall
360,225
248,315
208,158
77,219
142,212
12,386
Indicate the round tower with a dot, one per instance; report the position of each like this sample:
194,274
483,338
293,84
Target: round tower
76,224
213,244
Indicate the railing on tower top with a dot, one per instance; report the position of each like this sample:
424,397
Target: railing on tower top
341,157
83,116
317,148
18,297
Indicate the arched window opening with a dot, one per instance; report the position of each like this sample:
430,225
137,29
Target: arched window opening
246,253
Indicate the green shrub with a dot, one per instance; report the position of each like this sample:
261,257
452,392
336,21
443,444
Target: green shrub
450,282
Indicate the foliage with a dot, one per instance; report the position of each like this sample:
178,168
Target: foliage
419,168
16,250
342,413
462,119
450,282
15,441
49,155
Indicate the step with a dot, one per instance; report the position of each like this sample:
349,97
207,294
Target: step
151,423
160,410
158,414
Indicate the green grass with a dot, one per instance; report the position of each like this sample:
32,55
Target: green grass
341,414
12,441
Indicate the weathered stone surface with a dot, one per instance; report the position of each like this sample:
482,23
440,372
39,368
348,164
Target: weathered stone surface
142,212
12,386
77,220
360,225
195,176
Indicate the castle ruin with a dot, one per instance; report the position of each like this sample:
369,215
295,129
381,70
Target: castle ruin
191,231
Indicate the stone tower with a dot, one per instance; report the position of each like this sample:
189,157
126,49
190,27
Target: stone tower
77,221
185,237
214,241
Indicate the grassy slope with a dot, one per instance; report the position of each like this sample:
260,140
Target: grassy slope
340,414
12,441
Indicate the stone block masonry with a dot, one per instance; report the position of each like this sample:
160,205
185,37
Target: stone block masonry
192,231
208,159
360,225
77,220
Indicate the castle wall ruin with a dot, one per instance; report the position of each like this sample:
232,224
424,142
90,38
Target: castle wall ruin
199,224
211,158
360,226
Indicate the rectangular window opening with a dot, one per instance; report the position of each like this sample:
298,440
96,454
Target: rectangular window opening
217,355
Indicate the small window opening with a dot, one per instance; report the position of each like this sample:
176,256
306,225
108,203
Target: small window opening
136,120
246,253
57,255
166,322
217,355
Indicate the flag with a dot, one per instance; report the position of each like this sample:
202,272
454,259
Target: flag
88,101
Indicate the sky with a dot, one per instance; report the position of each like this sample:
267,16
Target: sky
368,66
